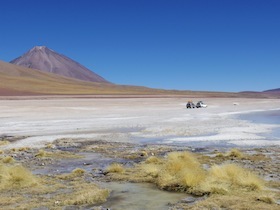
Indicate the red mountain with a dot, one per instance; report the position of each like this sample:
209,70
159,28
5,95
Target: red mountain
45,59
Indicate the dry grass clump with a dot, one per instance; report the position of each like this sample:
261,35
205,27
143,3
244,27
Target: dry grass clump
226,178
8,159
235,153
90,194
4,142
151,170
143,154
115,168
16,177
56,154
6,200
41,153
153,159
258,158
76,173
20,189
181,171
228,186
266,199
50,146
220,155
236,200
14,150
22,149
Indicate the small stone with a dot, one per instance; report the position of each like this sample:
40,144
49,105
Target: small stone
188,200
71,208
86,164
41,208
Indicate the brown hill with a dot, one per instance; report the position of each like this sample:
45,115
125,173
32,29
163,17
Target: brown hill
45,59
17,80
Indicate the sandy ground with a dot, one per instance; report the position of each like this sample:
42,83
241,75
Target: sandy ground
164,120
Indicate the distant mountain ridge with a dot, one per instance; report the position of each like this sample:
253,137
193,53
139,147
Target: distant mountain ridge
277,90
45,59
21,81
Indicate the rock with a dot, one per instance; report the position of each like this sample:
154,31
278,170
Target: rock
188,200
86,164
41,208
99,208
70,208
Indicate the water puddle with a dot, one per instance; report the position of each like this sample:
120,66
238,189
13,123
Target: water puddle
139,196
265,117
175,141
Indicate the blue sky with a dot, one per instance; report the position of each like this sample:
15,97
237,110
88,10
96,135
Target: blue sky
211,45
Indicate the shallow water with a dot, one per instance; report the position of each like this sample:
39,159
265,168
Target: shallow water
139,196
265,117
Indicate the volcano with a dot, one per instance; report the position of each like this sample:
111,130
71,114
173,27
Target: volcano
45,59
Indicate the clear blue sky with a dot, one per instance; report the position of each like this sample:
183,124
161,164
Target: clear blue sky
215,45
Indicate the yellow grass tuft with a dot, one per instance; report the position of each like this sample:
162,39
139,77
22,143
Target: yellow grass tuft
14,150
150,170
57,154
8,159
180,171
230,176
24,149
41,153
237,200
220,155
266,199
115,168
143,154
50,146
153,159
4,142
89,196
19,188
178,161
235,153
78,172
16,177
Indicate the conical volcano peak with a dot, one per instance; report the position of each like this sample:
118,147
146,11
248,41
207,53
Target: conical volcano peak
45,59
38,48
41,49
